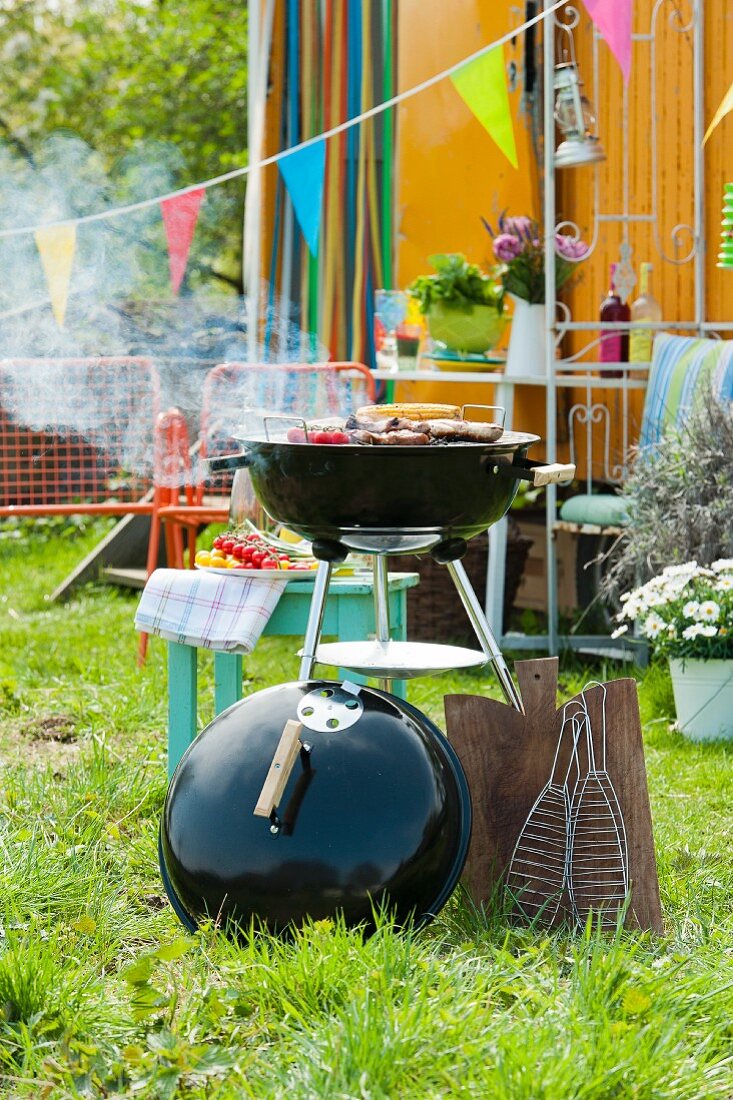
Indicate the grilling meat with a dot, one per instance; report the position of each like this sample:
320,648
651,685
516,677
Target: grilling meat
400,430
468,431
400,437
397,431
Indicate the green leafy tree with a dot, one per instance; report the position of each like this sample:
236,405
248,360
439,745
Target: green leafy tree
155,92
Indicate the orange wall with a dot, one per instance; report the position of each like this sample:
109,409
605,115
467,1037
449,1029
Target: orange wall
449,171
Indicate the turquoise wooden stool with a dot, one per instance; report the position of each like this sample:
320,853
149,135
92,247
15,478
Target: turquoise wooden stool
349,615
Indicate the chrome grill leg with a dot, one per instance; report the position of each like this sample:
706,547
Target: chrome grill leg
315,619
484,634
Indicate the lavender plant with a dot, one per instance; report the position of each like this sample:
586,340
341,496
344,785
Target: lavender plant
680,501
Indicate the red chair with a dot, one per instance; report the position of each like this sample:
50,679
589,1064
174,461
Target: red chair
186,496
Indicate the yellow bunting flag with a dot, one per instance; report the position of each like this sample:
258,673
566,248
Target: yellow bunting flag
56,245
482,86
723,109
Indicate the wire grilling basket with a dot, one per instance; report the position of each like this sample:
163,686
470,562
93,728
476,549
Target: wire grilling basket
572,847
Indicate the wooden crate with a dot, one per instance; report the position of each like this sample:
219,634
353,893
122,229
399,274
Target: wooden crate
532,591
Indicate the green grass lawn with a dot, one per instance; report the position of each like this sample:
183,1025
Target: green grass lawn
102,993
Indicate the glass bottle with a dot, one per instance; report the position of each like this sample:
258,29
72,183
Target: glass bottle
644,308
614,345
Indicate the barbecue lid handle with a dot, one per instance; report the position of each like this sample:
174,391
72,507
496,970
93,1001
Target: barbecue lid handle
280,768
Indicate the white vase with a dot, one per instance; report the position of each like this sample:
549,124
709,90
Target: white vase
527,354
703,697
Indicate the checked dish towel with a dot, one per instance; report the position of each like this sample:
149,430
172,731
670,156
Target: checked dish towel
208,610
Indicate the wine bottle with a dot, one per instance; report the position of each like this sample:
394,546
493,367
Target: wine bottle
614,345
644,308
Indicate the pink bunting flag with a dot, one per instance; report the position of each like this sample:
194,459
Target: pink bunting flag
613,19
180,215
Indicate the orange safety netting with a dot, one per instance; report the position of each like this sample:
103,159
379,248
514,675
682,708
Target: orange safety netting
76,431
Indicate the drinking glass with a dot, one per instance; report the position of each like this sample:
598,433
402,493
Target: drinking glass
390,310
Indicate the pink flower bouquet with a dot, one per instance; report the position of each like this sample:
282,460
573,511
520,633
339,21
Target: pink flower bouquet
520,251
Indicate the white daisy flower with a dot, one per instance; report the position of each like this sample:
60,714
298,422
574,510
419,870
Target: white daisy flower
619,631
709,611
708,631
724,584
722,565
691,609
680,570
653,625
691,632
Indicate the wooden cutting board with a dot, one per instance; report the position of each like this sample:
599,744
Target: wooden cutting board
508,758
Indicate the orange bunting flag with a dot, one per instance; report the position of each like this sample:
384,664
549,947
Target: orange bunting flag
481,84
180,215
725,106
56,246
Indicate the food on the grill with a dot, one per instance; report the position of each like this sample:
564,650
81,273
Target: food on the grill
388,425
409,411
402,438
318,435
470,431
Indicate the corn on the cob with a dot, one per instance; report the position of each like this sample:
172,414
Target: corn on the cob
410,411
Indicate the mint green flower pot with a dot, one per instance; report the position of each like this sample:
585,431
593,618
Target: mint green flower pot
471,332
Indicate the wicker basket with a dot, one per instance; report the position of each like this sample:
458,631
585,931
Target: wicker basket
434,609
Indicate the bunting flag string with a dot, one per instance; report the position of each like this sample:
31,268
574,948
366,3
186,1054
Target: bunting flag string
356,120
482,86
724,108
180,215
613,20
56,246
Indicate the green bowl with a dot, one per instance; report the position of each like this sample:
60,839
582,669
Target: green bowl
472,331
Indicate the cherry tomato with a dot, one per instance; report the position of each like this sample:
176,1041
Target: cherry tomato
238,551
227,546
269,563
257,558
216,544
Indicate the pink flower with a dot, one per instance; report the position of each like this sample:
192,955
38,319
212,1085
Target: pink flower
520,225
569,248
507,247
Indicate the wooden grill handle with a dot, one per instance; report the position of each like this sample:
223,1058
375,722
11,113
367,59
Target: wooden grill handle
280,768
552,472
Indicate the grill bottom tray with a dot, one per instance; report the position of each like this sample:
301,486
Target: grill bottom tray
398,660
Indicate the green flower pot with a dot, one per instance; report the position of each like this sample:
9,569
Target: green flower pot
472,331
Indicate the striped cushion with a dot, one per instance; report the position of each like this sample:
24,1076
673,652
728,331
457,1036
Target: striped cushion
683,370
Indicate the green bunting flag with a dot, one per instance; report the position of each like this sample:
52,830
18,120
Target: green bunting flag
482,86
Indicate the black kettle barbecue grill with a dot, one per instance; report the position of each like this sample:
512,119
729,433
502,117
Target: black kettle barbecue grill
315,798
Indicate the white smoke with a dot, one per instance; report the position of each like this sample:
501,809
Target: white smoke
120,304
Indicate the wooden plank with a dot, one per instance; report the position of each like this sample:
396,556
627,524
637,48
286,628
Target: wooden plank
126,545
508,759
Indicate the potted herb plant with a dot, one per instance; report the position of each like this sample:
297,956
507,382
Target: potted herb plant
686,613
463,306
